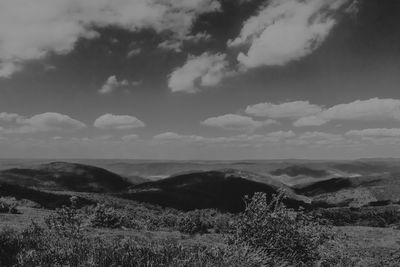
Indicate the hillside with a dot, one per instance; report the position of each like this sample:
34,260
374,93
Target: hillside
63,176
47,200
223,189
356,191
296,170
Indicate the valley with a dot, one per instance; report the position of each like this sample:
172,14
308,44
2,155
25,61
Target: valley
359,199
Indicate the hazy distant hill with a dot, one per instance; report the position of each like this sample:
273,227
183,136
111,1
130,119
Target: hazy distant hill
297,170
354,191
222,189
155,170
66,176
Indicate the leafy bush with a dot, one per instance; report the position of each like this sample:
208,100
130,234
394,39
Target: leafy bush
38,246
66,222
8,207
223,223
263,235
104,216
279,232
366,216
193,223
9,247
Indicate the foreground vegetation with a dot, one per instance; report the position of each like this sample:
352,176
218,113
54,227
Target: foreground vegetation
265,234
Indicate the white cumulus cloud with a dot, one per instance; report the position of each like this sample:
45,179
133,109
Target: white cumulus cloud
112,84
286,30
295,109
119,122
201,71
175,137
236,122
130,138
374,109
30,29
376,132
236,140
45,122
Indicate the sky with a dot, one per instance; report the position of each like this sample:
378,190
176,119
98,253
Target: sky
200,79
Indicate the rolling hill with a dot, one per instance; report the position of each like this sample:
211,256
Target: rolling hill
297,170
63,176
222,189
48,200
353,191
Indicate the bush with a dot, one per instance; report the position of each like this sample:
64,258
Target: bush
8,207
263,235
38,246
107,217
223,223
66,222
365,216
279,232
9,247
192,223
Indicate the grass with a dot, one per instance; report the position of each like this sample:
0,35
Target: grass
117,232
66,238
379,216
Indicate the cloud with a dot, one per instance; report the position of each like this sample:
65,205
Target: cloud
134,52
296,109
176,44
130,138
10,117
236,122
112,84
119,122
29,30
236,140
376,136
168,136
198,37
377,132
286,30
171,137
318,135
282,134
310,121
318,138
374,109
202,71
45,122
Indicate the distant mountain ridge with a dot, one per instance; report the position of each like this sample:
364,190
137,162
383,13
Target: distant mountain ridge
66,176
219,185
296,170
222,189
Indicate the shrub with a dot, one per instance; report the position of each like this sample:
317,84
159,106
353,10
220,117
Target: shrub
193,223
107,217
263,235
62,243
278,231
223,223
45,247
9,247
66,222
365,216
8,207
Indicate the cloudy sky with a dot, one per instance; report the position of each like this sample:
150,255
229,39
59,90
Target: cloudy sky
200,79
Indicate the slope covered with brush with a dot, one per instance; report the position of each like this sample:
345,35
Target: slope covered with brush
222,189
66,176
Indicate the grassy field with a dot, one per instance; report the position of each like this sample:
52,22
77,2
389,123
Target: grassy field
116,219
337,222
